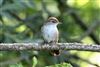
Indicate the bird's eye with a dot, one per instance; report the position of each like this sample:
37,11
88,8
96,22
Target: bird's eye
53,21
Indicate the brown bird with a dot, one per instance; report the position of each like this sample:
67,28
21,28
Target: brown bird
50,33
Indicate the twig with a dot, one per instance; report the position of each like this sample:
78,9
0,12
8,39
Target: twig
61,46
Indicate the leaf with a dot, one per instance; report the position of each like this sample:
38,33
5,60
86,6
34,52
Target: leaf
61,65
34,62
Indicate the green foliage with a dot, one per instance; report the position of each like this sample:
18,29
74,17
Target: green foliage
21,21
16,65
61,65
34,62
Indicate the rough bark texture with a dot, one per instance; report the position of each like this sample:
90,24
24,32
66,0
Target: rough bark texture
61,46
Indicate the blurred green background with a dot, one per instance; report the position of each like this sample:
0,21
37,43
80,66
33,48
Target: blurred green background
21,21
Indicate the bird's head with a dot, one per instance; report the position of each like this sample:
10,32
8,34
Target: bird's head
53,20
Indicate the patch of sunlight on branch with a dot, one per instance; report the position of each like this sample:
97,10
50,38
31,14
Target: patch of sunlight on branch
21,28
87,40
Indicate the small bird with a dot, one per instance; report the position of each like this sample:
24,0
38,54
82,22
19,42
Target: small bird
50,33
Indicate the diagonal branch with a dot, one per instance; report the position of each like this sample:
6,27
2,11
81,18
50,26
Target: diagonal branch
61,46
26,20
63,7
90,30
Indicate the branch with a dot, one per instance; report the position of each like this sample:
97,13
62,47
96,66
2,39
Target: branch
61,46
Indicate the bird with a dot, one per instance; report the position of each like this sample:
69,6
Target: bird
50,33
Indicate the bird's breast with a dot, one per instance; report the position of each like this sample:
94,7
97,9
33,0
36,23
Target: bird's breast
50,32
